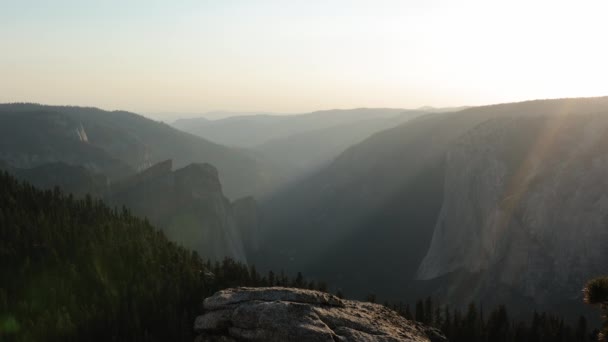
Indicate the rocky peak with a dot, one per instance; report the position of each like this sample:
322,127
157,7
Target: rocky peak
201,176
289,314
157,170
188,204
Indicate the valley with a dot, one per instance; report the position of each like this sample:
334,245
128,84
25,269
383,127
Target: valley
459,206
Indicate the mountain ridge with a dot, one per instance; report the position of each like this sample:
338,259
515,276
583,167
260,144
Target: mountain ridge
393,185
127,138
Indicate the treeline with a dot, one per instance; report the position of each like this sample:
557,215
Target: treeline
78,270
475,325
230,273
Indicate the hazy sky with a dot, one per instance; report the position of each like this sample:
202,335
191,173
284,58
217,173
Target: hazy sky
297,56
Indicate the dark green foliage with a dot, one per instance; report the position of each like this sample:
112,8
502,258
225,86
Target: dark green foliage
340,294
420,316
76,270
72,179
471,326
74,266
596,293
370,298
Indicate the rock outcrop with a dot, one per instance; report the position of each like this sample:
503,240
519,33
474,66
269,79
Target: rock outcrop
288,314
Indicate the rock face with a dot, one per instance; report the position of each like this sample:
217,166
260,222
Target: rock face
188,204
287,314
512,196
525,208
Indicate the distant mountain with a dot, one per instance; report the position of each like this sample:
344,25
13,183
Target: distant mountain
300,143
253,130
212,115
120,143
307,152
431,109
496,203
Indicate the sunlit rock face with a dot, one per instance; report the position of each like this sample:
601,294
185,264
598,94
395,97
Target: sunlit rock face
525,207
287,314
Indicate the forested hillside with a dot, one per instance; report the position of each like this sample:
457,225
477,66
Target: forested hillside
75,270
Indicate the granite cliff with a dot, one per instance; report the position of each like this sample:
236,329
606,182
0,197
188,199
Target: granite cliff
503,204
189,205
525,208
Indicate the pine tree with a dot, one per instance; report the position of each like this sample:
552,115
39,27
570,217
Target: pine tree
370,298
408,314
581,329
340,294
299,281
428,311
498,325
596,293
419,315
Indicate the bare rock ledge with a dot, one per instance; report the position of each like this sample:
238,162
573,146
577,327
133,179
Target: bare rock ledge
288,314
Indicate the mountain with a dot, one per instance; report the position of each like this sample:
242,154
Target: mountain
309,151
301,143
31,136
431,109
525,208
253,130
465,205
212,115
374,205
120,143
188,204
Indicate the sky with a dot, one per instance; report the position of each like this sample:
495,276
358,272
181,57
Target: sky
188,57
